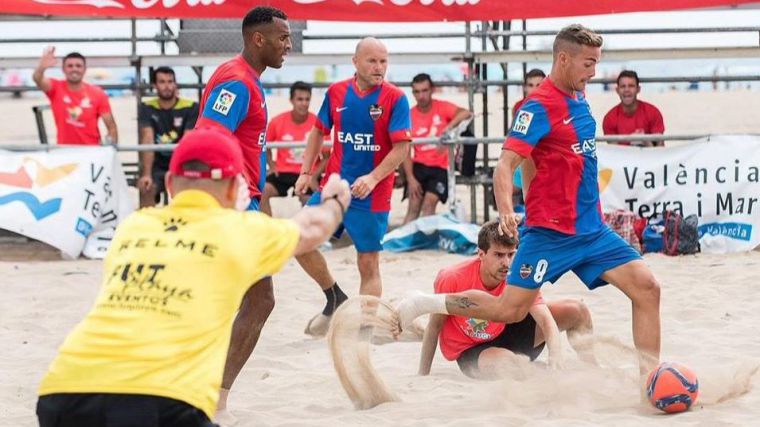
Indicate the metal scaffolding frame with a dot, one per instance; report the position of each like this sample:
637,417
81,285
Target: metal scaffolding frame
497,34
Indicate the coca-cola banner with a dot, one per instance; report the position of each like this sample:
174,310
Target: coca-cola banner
353,10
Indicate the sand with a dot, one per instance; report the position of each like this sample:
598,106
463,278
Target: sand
709,313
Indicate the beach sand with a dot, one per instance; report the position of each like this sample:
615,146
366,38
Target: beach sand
709,315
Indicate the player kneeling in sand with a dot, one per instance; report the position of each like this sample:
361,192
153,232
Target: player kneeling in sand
481,347
152,349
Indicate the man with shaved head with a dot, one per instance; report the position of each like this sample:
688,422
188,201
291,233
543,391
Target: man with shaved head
564,229
371,137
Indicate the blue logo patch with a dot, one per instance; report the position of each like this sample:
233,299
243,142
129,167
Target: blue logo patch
39,209
83,227
734,230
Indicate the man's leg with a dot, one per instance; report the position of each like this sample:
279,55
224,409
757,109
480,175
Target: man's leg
369,271
269,191
574,317
315,265
255,308
413,210
638,283
429,202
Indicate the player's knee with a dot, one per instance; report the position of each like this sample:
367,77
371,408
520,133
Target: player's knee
648,290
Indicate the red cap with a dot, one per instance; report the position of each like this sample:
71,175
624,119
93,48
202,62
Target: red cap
219,150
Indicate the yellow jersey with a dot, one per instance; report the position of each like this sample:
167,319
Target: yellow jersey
173,280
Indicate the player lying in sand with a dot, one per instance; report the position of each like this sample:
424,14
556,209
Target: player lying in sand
481,347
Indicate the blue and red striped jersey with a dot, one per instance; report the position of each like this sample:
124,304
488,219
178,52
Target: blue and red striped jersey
234,100
366,125
556,129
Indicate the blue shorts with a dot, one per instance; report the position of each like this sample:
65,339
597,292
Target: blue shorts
365,228
254,205
545,255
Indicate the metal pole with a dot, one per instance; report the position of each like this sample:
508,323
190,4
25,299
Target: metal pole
525,45
470,103
199,73
505,90
484,76
162,33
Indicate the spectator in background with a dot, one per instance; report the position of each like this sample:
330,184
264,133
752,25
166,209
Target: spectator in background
426,174
531,82
291,126
633,116
161,120
76,105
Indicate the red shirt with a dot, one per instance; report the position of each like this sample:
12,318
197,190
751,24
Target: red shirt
646,119
429,125
517,106
234,100
76,112
283,129
460,333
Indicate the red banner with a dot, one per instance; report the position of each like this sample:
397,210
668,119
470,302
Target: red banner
353,10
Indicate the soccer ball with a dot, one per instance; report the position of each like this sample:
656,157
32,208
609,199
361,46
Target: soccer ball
672,387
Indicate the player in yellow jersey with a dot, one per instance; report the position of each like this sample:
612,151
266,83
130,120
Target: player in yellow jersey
152,349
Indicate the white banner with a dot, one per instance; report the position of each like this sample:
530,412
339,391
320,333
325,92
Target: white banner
70,198
716,179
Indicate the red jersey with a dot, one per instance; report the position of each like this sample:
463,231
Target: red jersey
367,124
556,130
461,333
283,129
428,125
646,119
76,112
234,100
517,106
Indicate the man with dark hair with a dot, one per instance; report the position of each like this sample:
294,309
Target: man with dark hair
161,120
481,348
234,100
633,116
76,105
531,82
291,126
564,229
427,180
151,351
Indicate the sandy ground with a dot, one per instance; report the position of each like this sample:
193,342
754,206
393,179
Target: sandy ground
710,316
709,323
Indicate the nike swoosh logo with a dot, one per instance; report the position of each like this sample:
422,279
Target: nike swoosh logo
339,109
568,120
263,105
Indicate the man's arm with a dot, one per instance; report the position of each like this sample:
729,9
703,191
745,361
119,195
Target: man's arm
112,133
313,146
545,321
658,125
413,186
461,115
318,223
321,166
364,185
46,61
147,137
502,186
430,342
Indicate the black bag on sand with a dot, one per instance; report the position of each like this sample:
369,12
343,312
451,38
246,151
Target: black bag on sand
681,236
